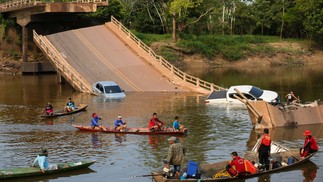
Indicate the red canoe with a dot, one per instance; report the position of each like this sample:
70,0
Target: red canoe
137,131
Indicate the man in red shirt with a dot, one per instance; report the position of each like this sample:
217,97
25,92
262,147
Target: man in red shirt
310,144
154,123
236,167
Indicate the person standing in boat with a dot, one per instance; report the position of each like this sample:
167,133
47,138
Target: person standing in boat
236,167
154,123
310,144
264,149
49,109
119,125
70,106
95,122
291,97
175,156
42,161
176,125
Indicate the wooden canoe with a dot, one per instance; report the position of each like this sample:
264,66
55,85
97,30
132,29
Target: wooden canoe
35,171
208,170
81,107
137,131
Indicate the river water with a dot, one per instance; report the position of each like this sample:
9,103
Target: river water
214,131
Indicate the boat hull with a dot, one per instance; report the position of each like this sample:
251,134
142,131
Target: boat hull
81,107
35,171
136,131
208,170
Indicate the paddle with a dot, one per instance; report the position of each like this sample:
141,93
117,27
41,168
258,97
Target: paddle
147,175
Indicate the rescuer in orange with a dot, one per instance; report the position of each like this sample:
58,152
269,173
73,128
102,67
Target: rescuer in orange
264,149
310,144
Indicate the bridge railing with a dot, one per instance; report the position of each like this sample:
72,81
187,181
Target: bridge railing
61,65
164,63
15,4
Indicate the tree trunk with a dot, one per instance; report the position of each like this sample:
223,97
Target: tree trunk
223,8
282,26
174,29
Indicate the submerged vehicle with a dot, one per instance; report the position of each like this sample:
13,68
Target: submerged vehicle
108,89
250,92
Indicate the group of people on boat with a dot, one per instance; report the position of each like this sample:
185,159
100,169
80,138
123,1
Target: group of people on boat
238,166
154,124
69,107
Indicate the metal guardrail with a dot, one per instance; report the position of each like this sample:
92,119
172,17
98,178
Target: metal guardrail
16,4
61,65
163,62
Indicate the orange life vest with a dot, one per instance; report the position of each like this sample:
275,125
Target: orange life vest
250,168
266,140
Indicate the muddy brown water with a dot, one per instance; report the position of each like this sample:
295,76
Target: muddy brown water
214,131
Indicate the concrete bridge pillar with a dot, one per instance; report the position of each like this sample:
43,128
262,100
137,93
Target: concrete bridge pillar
23,22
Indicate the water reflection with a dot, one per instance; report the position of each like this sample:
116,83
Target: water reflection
213,131
309,172
120,137
96,142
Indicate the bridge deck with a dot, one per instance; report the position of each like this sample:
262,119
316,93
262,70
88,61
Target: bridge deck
97,54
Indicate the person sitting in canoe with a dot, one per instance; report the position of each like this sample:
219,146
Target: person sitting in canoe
176,125
236,167
42,161
70,106
154,123
95,122
119,125
310,144
49,110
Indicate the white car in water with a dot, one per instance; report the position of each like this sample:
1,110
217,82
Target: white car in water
250,92
108,89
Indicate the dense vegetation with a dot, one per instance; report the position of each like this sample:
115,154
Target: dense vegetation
232,28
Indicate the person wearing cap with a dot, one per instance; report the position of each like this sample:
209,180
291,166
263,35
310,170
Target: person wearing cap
49,109
120,125
175,156
154,123
70,106
264,149
95,122
310,144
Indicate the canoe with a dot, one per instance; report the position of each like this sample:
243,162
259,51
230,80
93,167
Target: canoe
81,107
137,131
35,171
209,170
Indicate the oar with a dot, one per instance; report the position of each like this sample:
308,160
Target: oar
147,175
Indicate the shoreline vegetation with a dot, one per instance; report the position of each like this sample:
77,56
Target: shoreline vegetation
214,51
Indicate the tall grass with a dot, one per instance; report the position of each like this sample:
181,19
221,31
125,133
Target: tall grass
232,48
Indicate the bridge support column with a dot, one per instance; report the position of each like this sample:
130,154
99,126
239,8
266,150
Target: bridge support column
23,22
24,44
60,78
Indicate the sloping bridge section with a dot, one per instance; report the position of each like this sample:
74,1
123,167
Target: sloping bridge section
112,52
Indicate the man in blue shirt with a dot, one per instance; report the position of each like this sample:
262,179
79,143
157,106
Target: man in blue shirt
176,125
70,106
119,125
95,122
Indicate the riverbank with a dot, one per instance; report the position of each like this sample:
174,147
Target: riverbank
188,59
